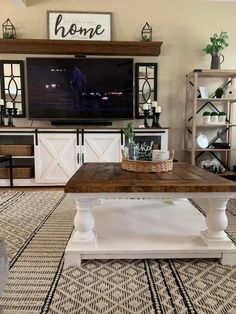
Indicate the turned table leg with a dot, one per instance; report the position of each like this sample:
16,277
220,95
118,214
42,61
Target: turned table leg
84,221
216,221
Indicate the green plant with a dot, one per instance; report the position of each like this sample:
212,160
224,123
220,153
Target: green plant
206,113
222,113
214,113
219,92
128,131
218,43
7,35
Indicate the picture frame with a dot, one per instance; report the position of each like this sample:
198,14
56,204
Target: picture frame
203,92
73,25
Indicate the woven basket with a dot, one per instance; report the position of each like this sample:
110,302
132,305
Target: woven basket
148,166
19,172
16,150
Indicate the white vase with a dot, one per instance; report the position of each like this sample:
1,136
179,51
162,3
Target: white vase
221,118
214,119
206,119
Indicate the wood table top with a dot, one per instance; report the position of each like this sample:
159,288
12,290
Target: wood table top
110,177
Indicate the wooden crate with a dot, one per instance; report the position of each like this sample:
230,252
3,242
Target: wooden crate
17,150
19,172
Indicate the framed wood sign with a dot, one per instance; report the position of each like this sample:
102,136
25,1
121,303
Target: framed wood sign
79,25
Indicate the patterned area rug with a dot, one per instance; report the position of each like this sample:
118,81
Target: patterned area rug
36,227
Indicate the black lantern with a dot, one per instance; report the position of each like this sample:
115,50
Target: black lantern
8,30
147,32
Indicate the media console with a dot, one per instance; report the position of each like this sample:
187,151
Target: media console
50,156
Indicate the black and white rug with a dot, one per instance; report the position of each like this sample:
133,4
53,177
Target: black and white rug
36,227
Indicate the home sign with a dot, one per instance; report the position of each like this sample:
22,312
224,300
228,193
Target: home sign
79,25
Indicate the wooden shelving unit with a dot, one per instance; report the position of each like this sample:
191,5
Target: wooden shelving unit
194,109
76,47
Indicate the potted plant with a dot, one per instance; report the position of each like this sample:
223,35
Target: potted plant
217,44
214,116
130,150
222,117
206,117
129,132
219,92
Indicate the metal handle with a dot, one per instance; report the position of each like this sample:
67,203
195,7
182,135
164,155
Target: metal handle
78,158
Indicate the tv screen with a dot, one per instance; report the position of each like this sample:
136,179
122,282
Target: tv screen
80,88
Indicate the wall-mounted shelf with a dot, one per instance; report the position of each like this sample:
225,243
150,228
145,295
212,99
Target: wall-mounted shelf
76,47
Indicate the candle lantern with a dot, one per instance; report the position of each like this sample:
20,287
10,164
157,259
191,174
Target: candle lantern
8,30
10,111
158,112
154,106
145,113
147,32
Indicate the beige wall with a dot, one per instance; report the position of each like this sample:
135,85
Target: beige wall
184,26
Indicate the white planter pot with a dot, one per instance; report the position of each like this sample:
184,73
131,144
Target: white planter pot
206,119
214,119
222,119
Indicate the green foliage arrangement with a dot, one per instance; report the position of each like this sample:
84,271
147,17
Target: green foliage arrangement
128,131
206,113
8,35
222,113
217,43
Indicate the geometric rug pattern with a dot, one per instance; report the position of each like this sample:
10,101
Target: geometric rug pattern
21,213
36,227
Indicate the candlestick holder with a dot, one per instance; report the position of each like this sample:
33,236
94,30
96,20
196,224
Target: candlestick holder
10,119
154,119
2,123
145,113
157,114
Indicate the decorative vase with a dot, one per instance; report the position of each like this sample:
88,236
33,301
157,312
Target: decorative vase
216,61
132,149
206,119
214,117
219,92
222,117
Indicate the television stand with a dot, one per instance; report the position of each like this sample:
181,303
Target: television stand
80,122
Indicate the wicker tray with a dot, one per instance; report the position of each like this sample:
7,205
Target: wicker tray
148,166
16,150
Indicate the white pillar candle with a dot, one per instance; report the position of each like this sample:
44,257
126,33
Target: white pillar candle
145,106
154,104
9,104
158,109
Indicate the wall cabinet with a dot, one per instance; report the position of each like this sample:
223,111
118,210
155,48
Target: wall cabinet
218,135
58,153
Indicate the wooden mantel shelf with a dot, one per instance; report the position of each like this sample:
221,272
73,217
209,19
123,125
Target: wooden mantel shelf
75,47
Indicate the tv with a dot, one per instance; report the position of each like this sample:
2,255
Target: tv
80,88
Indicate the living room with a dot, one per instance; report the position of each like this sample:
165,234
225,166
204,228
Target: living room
184,28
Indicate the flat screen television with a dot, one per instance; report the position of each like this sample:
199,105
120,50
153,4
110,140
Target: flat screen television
80,88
